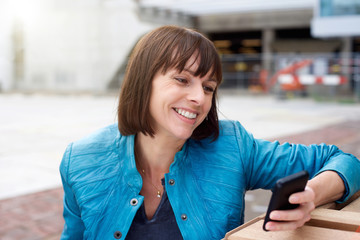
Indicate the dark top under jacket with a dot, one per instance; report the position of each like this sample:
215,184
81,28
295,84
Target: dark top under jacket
162,226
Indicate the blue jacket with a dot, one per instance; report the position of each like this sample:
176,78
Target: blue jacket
206,183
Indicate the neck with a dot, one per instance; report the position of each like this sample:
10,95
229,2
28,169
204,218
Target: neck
155,155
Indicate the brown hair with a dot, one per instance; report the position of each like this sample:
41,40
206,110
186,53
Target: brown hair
161,49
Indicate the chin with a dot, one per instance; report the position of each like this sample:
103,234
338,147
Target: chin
184,135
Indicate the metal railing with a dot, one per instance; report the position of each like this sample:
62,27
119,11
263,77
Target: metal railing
319,73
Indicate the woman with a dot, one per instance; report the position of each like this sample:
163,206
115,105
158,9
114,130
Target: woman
170,169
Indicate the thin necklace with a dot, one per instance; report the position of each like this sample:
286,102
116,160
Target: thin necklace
142,172
158,191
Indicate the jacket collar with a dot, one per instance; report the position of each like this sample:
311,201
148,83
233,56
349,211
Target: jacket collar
130,173
127,158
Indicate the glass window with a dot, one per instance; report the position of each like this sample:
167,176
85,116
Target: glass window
339,7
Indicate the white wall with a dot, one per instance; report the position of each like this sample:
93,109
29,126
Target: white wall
76,45
6,57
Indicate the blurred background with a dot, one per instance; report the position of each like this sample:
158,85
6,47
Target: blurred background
299,46
292,65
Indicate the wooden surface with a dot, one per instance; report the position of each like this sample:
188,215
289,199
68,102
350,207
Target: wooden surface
330,221
334,219
353,207
305,232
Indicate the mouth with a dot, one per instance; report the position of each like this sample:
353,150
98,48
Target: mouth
186,114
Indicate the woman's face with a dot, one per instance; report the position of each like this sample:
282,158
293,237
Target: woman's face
180,101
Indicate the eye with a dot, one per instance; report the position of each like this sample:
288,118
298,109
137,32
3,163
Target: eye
209,89
181,80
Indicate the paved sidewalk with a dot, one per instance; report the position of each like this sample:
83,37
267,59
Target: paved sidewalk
38,216
345,135
36,128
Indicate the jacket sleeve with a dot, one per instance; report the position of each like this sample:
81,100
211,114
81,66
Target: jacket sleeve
265,162
73,227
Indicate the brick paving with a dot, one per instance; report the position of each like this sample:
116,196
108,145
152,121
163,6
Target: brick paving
38,216
32,217
345,135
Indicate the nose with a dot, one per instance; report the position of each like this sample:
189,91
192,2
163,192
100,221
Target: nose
196,94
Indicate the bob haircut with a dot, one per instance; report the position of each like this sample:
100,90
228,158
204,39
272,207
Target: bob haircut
163,49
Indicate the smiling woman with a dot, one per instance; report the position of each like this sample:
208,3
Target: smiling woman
166,48
171,170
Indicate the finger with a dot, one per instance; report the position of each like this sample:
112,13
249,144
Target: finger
305,196
299,213
283,226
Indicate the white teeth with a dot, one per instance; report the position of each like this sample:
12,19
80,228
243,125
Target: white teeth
185,113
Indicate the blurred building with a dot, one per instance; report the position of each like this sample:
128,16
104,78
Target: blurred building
67,45
256,36
83,45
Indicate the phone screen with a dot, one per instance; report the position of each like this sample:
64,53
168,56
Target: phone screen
284,187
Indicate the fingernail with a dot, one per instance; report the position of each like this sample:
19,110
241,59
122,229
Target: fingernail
269,227
274,216
293,199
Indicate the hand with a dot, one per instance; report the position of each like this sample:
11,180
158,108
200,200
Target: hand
294,218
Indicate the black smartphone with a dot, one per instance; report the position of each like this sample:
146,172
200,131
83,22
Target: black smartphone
282,190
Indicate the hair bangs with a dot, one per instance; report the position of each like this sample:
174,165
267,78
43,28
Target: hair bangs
189,44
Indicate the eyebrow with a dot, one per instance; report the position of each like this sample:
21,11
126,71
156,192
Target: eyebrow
193,73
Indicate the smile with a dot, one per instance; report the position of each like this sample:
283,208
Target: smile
186,114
